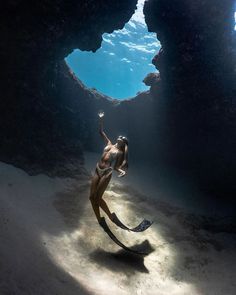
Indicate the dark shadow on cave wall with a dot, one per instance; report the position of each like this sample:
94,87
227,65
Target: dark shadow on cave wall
197,66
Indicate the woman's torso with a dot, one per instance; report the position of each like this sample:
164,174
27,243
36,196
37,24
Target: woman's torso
109,156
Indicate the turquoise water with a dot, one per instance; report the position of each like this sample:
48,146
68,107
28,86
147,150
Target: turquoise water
118,68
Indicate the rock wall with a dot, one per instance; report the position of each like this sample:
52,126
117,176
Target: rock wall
197,64
36,125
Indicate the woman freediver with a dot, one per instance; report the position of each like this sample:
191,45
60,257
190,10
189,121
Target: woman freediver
117,155
114,157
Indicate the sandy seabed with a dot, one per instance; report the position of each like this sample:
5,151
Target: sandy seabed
52,244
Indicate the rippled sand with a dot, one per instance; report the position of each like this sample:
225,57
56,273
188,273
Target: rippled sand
52,244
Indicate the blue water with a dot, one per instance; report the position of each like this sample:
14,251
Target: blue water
118,68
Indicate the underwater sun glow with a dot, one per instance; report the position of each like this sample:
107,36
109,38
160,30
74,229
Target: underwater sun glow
118,68
235,20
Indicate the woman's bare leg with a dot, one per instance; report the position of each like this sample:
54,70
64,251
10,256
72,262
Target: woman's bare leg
100,191
93,193
105,208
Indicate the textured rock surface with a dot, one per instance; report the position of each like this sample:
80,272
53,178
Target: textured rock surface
38,128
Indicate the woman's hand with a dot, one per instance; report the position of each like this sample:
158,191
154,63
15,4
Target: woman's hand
101,114
122,173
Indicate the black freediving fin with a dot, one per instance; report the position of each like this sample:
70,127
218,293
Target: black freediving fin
104,225
145,224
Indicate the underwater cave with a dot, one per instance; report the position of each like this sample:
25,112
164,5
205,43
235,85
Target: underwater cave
62,62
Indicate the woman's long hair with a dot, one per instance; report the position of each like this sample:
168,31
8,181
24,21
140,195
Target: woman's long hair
125,153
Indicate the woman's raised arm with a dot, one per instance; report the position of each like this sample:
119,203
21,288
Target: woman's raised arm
101,131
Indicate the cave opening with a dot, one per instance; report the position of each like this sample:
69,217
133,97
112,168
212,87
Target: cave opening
118,68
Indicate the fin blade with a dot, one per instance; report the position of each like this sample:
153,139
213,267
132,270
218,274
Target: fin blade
104,225
145,224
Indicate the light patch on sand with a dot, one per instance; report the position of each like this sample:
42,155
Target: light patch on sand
52,244
78,253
